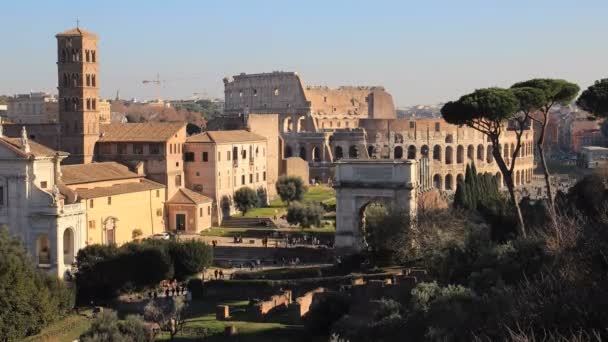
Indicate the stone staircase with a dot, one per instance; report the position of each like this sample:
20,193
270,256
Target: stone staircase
248,222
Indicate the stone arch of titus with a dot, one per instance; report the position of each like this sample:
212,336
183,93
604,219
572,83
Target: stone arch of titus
359,182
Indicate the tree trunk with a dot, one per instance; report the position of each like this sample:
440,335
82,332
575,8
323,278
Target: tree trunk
508,178
543,162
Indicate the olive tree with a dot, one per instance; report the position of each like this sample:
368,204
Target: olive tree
555,91
245,199
489,111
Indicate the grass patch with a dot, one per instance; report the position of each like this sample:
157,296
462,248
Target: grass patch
203,316
66,329
319,193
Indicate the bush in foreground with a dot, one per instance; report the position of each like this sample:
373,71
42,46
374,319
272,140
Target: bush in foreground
305,214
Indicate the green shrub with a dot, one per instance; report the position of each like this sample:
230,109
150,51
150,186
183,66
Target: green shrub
305,214
246,199
290,188
190,257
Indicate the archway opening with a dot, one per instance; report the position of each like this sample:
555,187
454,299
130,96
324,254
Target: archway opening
303,152
411,152
437,181
449,155
43,250
68,247
471,152
398,152
371,151
460,154
437,152
449,182
288,151
316,154
489,156
288,125
301,124
424,151
480,153
338,153
353,152
372,217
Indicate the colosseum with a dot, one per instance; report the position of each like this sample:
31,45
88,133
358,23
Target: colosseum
322,125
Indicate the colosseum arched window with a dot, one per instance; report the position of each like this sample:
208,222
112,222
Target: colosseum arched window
424,151
353,152
480,153
398,138
506,152
512,149
411,152
303,153
371,151
460,154
517,177
437,152
489,156
338,153
288,152
449,155
449,182
471,152
398,152
449,139
316,153
288,124
437,181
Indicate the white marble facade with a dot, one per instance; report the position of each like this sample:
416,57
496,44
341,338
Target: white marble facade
33,208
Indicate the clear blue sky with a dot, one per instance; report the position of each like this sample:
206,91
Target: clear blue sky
421,51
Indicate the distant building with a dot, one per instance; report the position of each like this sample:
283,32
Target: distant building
120,205
218,163
158,145
33,206
3,111
32,108
592,157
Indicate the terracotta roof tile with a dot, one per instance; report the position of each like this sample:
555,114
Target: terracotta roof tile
188,196
95,172
220,137
118,189
36,149
140,132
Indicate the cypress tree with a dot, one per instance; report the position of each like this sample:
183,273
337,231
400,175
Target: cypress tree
460,196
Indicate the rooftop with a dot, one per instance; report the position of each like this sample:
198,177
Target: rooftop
118,189
36,149
220,137
77,32
95,172
595,148
140,132
187,196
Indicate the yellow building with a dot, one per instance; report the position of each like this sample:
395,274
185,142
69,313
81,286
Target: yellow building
120,205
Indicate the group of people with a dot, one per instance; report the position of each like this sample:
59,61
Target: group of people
238,239
170,288
219,274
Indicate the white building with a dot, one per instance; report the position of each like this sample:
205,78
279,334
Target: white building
50,225
592,157
33,108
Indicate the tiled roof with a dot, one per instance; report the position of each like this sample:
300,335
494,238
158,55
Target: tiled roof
220,137
36,149
118,189
188,196
140,132
77,32
95,172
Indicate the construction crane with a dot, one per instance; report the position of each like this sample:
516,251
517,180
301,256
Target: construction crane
158,82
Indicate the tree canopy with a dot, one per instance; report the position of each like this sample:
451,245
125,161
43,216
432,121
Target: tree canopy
246,199
290,188
556,91
484,109
595,99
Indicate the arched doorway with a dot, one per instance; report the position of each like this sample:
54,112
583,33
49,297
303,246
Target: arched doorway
109,228
43,250
398,152
338,153
369,217
288,124
68,247
225,206
301,124
480,153
371,151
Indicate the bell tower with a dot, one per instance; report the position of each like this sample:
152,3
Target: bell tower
78,87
